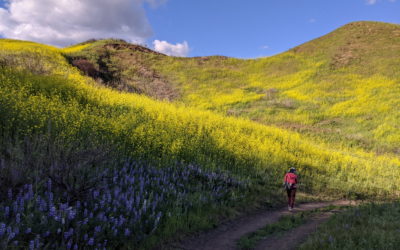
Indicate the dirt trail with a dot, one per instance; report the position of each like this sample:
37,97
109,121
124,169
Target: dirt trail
293,238
225,236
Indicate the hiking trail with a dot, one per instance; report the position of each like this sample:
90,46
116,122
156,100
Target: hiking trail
225,236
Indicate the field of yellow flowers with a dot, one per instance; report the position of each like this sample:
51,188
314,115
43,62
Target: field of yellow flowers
142,127
54,117
341,88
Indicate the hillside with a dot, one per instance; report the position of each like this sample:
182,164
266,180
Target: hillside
168,143
341,88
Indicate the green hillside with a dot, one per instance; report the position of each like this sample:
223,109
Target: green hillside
341,88
174,143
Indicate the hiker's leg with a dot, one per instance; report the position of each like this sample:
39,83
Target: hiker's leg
293,197
289,195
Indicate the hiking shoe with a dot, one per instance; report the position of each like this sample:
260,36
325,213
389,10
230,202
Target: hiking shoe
289,208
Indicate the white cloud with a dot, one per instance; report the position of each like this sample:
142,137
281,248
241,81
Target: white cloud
264,47
64,22
371,2
179,49
312,20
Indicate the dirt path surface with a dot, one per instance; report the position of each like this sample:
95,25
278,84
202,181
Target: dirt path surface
293,238
225,236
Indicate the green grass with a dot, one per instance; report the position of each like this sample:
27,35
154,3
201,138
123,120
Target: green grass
313,107
337,88
341,88
371,226
76,110
284,224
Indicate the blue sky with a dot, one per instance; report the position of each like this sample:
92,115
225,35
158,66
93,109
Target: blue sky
237,28
255,28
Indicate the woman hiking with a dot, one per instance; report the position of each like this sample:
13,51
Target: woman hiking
291,186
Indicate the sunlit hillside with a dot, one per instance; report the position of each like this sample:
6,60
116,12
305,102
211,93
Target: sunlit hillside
135,147
341,88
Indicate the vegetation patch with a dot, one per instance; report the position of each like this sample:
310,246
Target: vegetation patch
120,65
123,207
371,226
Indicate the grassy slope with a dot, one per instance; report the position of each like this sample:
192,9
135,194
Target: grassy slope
341,88
165,133
43,95
370,226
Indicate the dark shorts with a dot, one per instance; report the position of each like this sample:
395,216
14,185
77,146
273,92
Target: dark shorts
291,193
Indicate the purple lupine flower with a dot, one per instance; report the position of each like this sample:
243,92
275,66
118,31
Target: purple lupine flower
42,205
121,220
127,232
51,197
37,242
100,216
49,185
30,188
31,245
159,216
46,234
69,233
69,244
18,218
95,194
6,211
91,242
59,219
2,229
63,206
102,202
76,247
52,211
11,236
71,214
15,242
15,207
10,194
58,230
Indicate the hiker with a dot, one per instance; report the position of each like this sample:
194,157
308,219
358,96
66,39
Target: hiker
291,186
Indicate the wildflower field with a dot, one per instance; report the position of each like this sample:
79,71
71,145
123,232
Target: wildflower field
342,88
85,165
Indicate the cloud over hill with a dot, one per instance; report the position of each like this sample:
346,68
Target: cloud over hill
69,21
179,49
